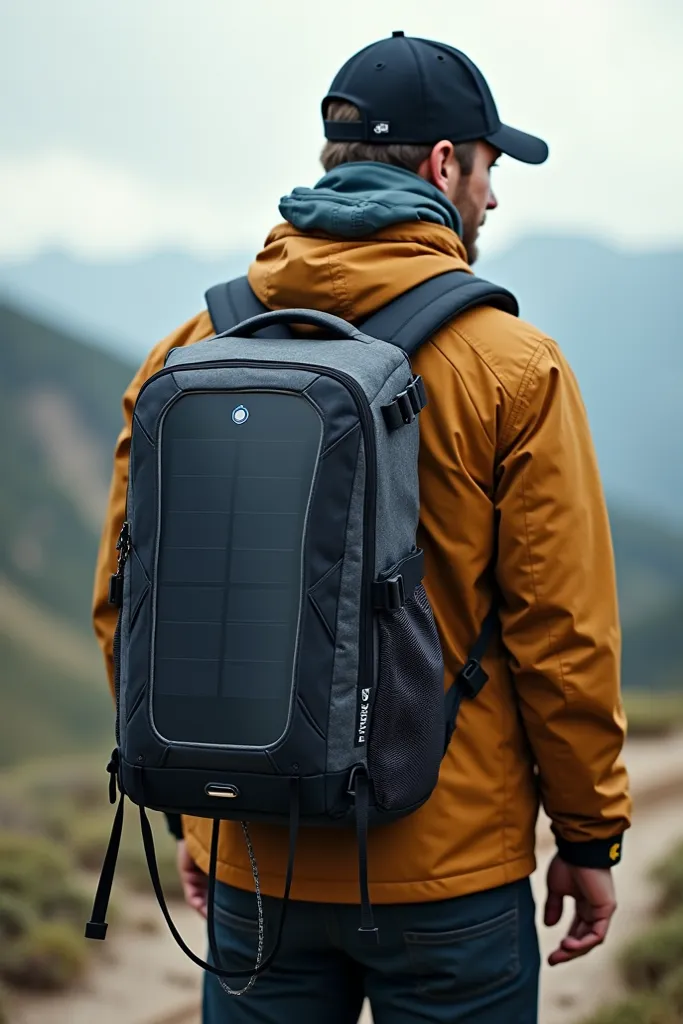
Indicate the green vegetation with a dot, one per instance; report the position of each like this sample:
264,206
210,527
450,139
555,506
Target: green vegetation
41,913
652,964
673,989
641,1009
55,823
45,707
67,804
652,648
653,714
649,560
648,960
51,956
38,874
669,877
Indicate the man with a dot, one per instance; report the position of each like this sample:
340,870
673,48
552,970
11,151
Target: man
511,505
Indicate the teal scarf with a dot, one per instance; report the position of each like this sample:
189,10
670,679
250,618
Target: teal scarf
358,199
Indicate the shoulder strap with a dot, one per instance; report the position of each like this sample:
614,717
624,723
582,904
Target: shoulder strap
407,322
416,315
232,302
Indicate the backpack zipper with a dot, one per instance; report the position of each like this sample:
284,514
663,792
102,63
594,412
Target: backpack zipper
366,640
116,599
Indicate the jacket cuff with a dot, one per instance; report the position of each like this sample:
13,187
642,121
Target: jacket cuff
595,853
175,825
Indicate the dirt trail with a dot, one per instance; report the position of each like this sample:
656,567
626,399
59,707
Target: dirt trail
140,976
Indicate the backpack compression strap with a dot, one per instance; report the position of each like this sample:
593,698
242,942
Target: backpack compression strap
472,677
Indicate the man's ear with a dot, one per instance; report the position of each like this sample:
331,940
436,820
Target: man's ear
441,168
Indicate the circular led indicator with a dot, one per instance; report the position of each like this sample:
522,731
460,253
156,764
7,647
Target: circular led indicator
240,415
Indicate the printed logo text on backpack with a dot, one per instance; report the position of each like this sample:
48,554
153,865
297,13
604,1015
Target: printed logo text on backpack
363,715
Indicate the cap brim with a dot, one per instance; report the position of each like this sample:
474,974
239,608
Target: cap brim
519,145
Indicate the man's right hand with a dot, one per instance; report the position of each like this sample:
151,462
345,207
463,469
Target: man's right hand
194,881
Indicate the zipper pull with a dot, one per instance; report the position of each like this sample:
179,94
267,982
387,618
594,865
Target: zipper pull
123,543
116,581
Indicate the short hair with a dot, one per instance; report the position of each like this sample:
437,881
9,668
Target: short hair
405,155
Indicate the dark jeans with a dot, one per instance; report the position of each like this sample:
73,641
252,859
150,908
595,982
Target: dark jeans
473,959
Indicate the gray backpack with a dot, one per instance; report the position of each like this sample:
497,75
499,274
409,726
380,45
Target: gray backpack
276,657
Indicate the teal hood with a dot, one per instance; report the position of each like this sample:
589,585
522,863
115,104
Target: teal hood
358,199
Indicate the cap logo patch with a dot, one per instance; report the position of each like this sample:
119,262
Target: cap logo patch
380,127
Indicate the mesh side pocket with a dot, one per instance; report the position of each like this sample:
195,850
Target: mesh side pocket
406,740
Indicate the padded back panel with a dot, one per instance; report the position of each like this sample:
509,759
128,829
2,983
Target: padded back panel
234,495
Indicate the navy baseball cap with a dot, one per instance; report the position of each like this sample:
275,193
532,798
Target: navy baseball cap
415,91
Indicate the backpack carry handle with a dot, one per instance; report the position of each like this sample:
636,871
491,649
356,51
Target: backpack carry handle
334,324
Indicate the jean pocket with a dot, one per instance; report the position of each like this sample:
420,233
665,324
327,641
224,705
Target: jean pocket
237,937
229,919
236,908
465,962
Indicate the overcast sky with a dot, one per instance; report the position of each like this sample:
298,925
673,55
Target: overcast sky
135,125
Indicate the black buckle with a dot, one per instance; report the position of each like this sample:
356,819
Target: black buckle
419,393
357,769
395,593
473,676
405,406
389,595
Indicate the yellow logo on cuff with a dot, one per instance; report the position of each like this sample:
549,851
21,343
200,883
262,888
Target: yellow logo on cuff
614,852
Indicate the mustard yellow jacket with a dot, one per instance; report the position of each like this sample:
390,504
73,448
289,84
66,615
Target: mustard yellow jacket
505,451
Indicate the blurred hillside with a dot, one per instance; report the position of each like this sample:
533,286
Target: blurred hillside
59,417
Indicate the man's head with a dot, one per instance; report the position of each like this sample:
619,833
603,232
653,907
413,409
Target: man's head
426,107
462,171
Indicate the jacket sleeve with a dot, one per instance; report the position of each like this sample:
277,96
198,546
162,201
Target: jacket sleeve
559,613
103,614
